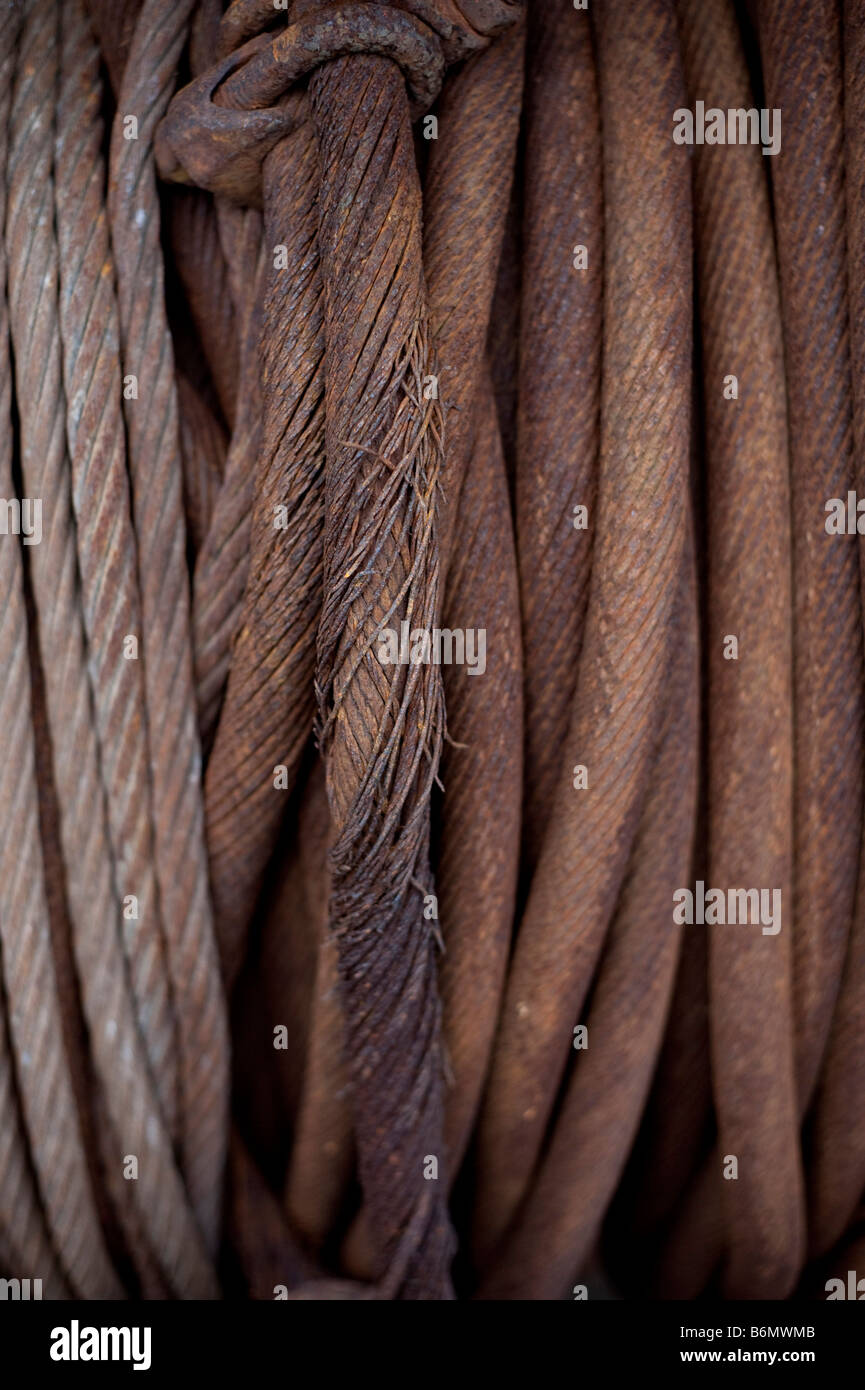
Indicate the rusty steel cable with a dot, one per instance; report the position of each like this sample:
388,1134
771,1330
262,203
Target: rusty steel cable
836,1174
203,447
221,564
560,1223
559,387
175,754
106,991
749,722
430,447
825,579
105,539
482,780
622,664
481,770
41,1077
381,727
267,714
90,883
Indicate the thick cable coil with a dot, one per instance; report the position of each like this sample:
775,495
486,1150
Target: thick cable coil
431,648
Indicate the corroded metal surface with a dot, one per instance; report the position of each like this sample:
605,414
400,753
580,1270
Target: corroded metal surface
332,956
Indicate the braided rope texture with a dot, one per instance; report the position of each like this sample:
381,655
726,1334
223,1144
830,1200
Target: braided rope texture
432,657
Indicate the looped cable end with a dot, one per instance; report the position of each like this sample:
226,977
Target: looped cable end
336,32
465,28
204,142
219,128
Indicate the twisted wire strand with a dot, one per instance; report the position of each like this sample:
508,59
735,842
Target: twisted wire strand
197,249
114,25
116,1044
242,20
26,1250
103,528
98,1135
322,1154
277,989
802,69
198,258
381,725
836,1169
467,185
503,339
175,755
33,274
673,1139
130,1241
220,582
203,445
689,1258
290,943
750,708
639,538
266,1249
478,838
481,761
26,1142
560,1220
476,819
240,230
269,707
223,562
559,386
